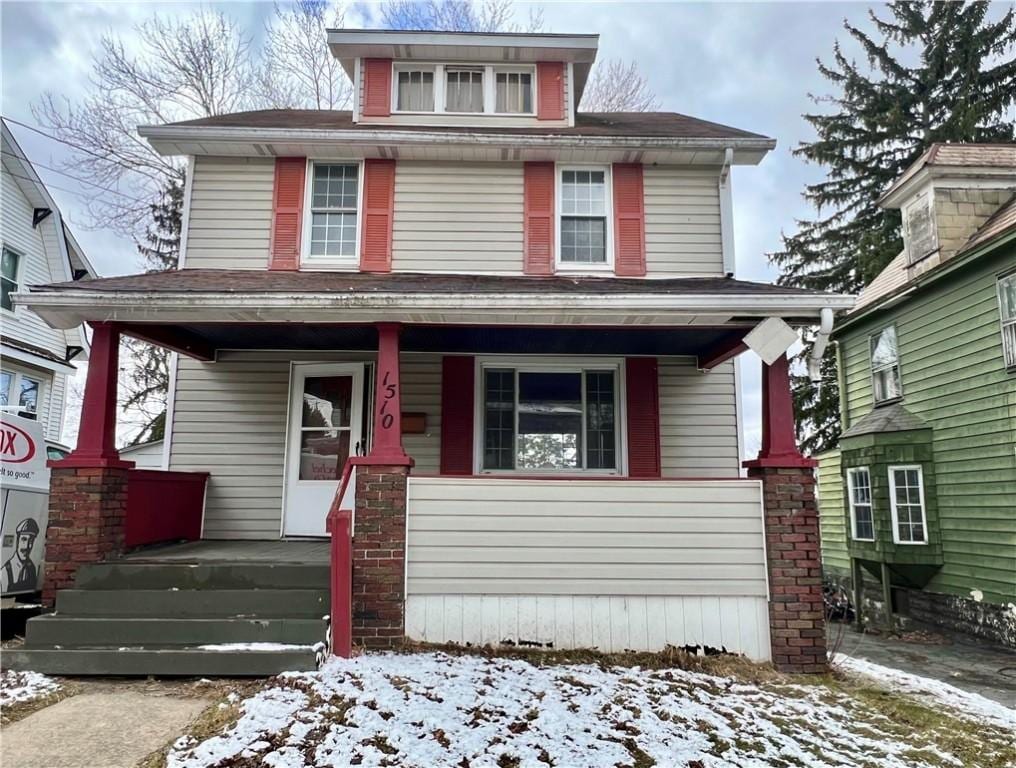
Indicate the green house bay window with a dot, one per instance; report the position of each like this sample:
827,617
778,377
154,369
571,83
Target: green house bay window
862,521
906,494
549,420
885,366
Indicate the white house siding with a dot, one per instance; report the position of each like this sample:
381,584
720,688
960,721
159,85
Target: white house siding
230,213
34,245
609,564
55,402
457,217
683,233
698,419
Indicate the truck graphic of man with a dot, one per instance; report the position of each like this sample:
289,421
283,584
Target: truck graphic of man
19,572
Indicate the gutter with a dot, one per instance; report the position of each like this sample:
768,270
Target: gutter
821,342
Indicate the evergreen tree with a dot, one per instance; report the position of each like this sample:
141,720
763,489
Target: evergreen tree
147,384
936,71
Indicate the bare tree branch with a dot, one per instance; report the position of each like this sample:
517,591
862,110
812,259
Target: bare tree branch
458,16
618,86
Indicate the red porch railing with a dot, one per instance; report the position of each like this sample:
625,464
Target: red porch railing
163,506
340,526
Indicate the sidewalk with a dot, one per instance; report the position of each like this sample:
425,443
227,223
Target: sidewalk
989,670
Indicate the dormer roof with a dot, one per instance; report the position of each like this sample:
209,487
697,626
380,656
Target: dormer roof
348,45
943,159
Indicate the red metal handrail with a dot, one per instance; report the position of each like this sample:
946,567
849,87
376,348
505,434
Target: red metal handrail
340,526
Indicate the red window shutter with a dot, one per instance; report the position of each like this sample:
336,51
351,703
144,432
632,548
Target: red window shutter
629,221
378,211
287,212
457,382
550,91
538,218
643,405
377,87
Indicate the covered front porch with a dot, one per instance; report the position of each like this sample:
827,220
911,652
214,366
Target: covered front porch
557,466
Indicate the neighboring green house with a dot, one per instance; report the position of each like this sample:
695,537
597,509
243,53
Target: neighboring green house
919,498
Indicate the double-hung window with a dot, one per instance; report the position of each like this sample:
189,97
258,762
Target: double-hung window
414,89
334,192
9,277
885,366
463,89
1007,311
862,523
585,223
550,418
906,493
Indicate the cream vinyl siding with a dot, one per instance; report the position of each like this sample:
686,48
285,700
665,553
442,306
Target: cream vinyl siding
40,261
230,213
457,217
56,398
698,419
421,393
683,232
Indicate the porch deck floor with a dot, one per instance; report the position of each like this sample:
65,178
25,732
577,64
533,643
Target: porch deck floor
308,552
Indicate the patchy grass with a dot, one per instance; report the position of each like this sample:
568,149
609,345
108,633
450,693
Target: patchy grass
22,693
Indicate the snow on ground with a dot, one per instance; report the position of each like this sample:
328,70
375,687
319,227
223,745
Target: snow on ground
432,709
972,706
255,647
19,687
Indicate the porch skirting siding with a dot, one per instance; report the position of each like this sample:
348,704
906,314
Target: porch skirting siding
649,563
229,419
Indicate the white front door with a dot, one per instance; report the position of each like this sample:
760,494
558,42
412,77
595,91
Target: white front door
325,428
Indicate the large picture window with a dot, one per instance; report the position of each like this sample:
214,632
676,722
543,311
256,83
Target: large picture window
862,523
549,419
584,222
885,366
1007,312
9,278
333,203
906,493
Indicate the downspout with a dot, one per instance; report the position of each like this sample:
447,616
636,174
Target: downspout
825,327
727,213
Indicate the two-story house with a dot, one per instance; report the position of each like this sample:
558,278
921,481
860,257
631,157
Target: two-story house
919,498
35,359
500,331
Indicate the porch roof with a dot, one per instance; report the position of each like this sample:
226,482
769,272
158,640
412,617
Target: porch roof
263,296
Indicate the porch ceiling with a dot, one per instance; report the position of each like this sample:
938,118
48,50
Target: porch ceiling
203,340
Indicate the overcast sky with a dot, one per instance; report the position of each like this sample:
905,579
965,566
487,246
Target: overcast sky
749,65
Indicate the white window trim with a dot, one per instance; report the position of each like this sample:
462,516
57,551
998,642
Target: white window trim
529,364
851,471
892,503
42,403
18,278
1007,325
608,204
339,263
440,87
898,366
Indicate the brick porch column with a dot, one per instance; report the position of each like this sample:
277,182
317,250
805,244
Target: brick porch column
379,524
88,489
793,559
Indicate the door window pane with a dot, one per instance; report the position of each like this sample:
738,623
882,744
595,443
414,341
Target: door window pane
415,90
600,440
327,401
463,90
550,421
323,453
514,92
499,419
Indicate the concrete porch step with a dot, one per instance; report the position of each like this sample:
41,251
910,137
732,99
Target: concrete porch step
137,660
194,603
77,631
207,575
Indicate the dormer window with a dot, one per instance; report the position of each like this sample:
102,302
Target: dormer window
414,89
463,89
460,89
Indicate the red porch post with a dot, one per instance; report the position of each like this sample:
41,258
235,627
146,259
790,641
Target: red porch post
793,560
379,525
88,489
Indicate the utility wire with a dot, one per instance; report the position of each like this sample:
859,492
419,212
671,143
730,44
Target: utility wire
76,192
72,177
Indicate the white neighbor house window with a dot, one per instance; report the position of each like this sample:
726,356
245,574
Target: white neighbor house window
550,418
1007,312
414,89
885,366
906,493
862,523
9,277
334,195
24,391
584,221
